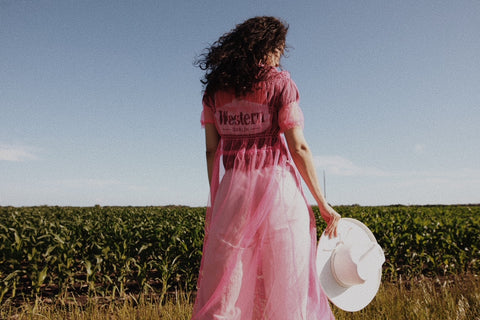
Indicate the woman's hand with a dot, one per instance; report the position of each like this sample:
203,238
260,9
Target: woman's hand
332,218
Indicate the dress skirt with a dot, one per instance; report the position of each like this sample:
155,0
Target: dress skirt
259,249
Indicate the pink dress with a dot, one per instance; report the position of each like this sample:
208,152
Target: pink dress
260,235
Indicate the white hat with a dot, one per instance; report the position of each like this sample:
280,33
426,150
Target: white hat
350,265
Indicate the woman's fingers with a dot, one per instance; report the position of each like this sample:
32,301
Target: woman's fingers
332,224
332,218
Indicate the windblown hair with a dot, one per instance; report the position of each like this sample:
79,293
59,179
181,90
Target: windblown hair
236,60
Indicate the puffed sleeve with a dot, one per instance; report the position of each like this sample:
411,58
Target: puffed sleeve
290,115
207,113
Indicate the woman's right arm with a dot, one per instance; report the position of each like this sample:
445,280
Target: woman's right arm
302,156
211,143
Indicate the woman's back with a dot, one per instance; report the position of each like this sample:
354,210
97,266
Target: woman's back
252,124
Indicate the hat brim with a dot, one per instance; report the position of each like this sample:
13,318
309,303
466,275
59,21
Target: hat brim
356,297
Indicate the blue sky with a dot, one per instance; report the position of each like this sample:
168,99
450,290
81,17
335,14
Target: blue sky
100,101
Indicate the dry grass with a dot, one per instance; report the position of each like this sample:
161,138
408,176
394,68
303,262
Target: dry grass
176,307
455,298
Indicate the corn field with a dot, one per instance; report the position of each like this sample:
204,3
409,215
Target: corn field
115,251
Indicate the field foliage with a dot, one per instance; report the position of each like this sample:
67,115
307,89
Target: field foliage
113,251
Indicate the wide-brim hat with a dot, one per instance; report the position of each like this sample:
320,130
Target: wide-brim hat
350,265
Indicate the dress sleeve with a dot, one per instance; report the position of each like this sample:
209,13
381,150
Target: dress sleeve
207,113
290,115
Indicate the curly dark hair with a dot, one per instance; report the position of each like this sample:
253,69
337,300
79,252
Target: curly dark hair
235,61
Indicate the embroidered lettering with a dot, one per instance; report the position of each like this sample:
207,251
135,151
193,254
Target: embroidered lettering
241,118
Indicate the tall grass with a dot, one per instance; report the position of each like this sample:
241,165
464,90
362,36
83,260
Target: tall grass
425,299
177,307
455,298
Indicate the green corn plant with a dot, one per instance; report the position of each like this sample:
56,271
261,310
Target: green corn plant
120,250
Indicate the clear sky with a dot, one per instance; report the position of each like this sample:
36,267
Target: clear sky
100,101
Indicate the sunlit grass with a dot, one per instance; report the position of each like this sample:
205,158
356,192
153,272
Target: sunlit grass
175,307
454,298
425,299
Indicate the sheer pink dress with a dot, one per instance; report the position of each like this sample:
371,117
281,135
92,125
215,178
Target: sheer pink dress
260,235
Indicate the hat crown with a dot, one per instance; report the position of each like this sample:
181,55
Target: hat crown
350,265
354,263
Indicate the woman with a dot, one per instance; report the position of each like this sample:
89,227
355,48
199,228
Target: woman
260,237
